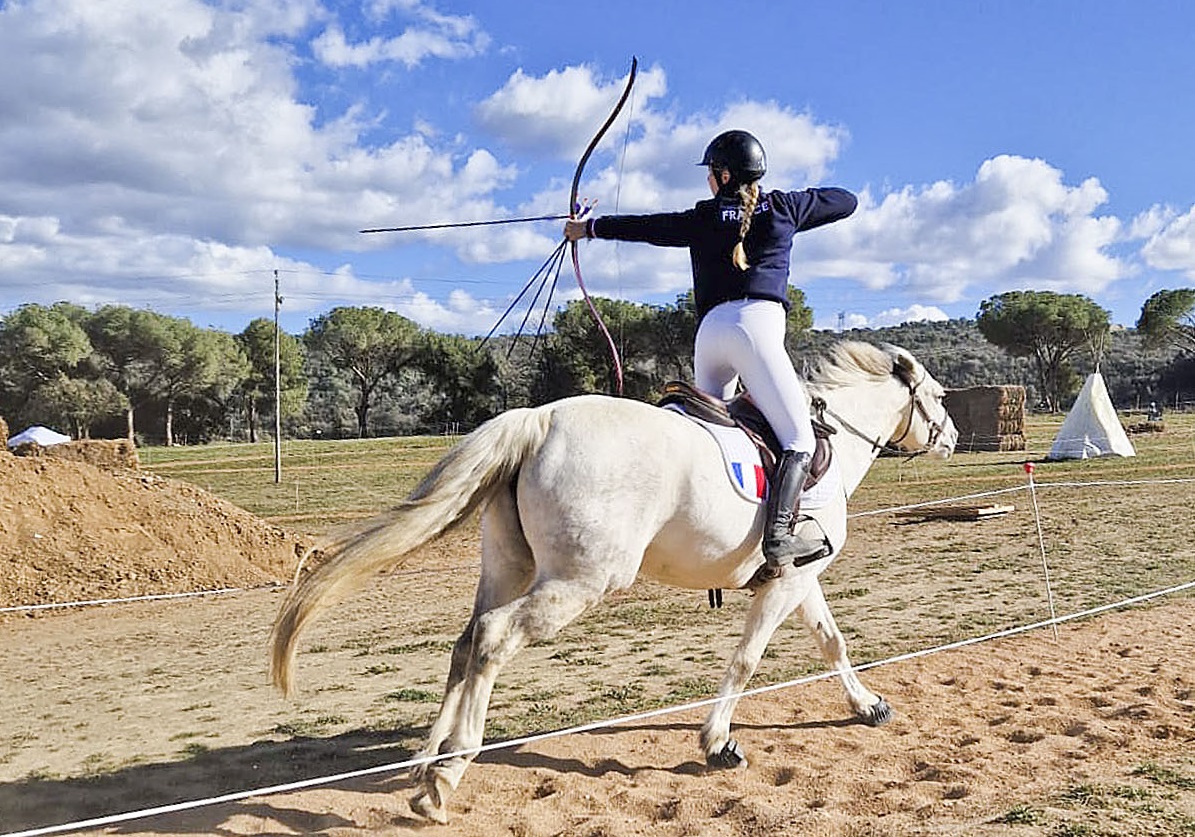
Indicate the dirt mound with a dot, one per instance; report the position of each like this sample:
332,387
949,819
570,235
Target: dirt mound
70,531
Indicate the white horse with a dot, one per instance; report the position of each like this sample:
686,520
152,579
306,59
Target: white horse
583,495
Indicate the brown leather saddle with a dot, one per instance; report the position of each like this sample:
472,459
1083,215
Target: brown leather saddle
742,413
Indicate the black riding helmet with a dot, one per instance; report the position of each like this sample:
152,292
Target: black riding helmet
739,153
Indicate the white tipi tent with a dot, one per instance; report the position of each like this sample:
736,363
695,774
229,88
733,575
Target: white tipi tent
1091,428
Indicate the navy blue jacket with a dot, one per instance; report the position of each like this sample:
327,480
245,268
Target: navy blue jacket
711,229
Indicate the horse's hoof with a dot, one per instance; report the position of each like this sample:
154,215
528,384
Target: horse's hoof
730,756
877,714
422,805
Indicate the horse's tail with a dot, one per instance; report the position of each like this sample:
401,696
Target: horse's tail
481,463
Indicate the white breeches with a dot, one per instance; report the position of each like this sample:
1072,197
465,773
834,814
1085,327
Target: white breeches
744,338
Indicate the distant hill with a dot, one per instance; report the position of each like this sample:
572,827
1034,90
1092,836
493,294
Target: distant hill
959,356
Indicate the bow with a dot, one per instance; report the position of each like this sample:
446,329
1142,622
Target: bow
549,271
573,209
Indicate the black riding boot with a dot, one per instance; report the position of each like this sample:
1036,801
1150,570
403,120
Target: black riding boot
781,546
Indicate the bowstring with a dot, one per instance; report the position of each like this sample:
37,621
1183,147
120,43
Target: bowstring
622,162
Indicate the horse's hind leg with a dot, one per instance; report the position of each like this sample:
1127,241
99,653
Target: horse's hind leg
815,613
498,635
507,568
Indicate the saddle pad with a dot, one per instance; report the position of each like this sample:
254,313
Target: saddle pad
746,472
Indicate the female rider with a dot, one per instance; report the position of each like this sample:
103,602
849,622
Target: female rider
739,244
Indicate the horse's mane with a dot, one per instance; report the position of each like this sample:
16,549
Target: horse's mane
850,362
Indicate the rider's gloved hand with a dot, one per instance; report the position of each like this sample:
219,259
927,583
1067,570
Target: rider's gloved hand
577,228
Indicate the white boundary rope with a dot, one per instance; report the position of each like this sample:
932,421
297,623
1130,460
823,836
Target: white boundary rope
273,585
148,598
596,725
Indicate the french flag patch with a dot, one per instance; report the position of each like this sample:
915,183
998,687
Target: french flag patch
761,480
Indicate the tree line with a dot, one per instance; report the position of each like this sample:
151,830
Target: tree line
359,371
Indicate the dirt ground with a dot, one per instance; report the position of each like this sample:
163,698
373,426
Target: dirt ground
70,531
123,707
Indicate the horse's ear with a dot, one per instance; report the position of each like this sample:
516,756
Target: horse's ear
903,363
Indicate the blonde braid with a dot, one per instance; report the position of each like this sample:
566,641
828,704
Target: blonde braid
748,200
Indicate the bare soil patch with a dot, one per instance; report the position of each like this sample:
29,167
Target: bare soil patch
125,707
70,531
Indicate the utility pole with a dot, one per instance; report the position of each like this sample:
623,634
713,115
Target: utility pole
277,385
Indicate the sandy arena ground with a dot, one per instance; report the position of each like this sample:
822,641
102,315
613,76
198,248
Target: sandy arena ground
123,707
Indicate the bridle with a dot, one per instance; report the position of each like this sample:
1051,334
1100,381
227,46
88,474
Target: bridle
936,428
916,407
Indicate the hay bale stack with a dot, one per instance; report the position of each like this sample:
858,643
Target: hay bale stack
988,418
109,454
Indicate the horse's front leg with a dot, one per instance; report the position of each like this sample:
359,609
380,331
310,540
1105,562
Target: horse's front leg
866,705
773,603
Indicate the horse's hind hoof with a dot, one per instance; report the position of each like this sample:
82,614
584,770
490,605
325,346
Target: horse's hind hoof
730,756
422,805
877,714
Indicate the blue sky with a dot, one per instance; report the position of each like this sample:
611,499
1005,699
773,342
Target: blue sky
174,154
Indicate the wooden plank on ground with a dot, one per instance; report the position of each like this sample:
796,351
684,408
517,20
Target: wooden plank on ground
963,512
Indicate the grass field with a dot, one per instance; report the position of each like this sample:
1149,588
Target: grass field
324,482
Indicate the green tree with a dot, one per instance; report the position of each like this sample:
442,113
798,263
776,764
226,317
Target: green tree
464,381
1047,327
1168,318
372,345
674,330
79,402
655,345
800,315
257,388
196,364
152,357
125,340
39,345
515,367
577,358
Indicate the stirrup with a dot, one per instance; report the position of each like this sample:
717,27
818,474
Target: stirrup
769,571
814,549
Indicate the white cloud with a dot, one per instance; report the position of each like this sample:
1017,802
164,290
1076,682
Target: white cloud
432,35
1171,240
183,119
175,141
889,317
178,273
410,48
653,170
660,171
1016,225
912,314
558,113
